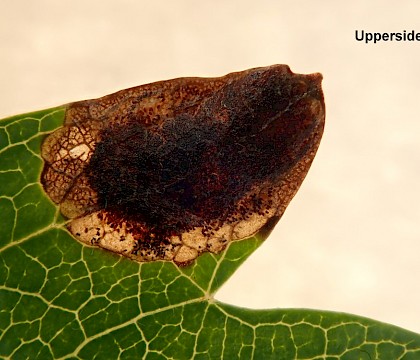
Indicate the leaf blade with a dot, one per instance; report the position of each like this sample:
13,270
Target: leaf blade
62,299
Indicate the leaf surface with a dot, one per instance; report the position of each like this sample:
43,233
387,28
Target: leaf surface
62,299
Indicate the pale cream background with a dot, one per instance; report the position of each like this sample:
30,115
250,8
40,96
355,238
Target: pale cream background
350,240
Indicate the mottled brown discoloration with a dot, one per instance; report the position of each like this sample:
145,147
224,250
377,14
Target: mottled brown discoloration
172,169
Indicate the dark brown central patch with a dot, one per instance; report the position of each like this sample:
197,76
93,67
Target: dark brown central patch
192,170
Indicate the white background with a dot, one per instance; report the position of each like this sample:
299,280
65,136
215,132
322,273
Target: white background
350,240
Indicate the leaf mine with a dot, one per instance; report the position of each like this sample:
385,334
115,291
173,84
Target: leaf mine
172,169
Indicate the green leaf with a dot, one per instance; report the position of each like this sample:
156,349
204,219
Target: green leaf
61,299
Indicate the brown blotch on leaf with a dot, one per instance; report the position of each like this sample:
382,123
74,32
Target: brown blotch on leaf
172,169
